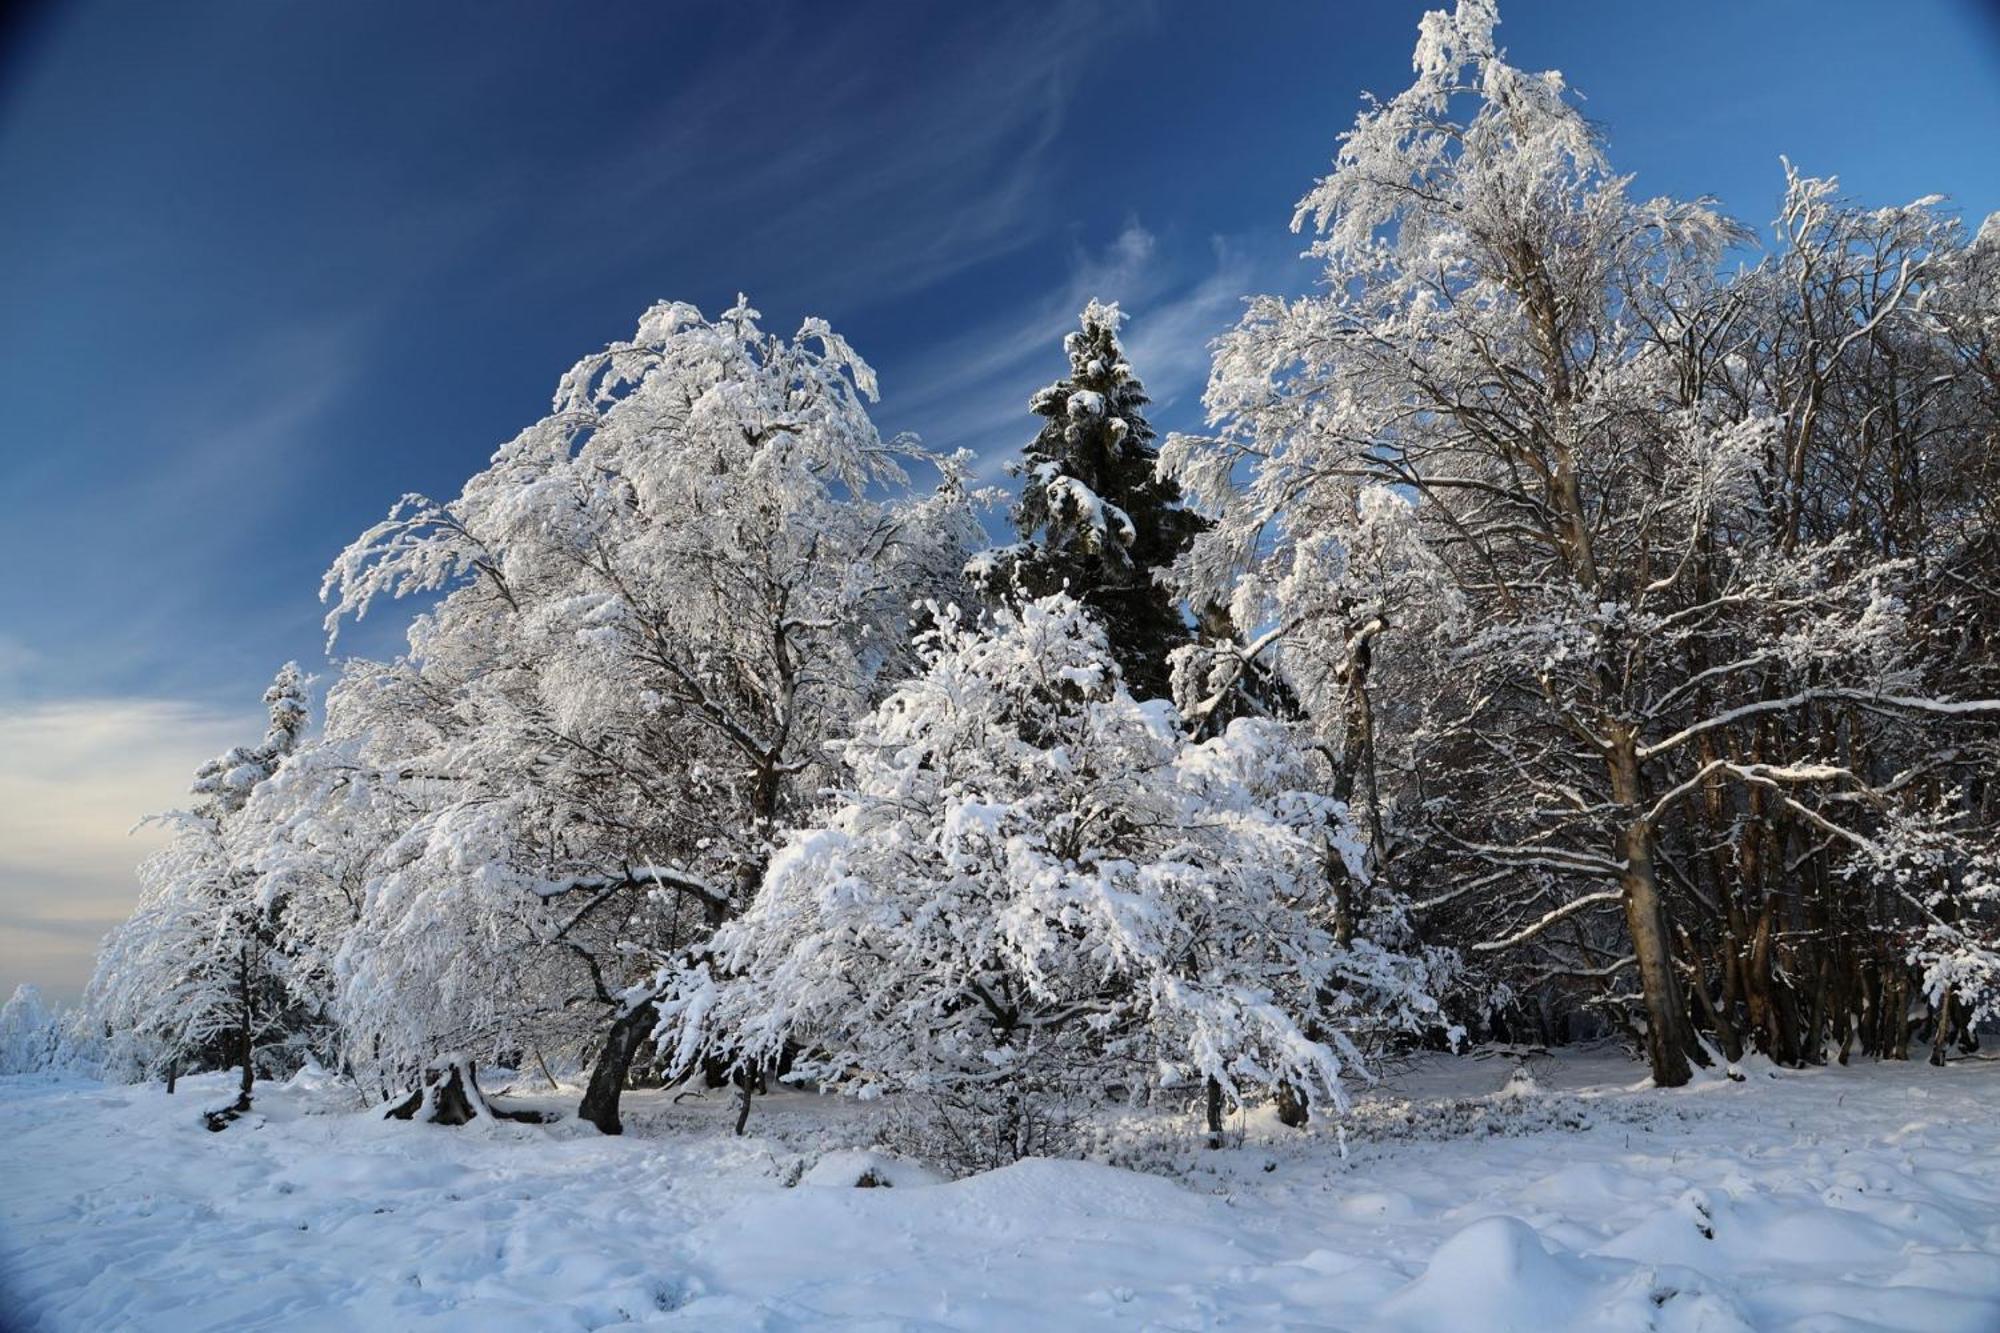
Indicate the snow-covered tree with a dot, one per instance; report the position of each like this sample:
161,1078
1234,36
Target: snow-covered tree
1095,518
193,978
1868,335
227,780
658,605
1327,592
1643,621
31,1034
165,988
314,835
1036,894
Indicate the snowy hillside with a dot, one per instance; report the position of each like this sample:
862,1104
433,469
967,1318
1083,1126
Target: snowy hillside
1851,1199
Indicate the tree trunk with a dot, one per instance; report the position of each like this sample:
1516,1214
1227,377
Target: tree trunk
247,1040
1214,1114
1895,1014
1716,1022
614,1062
1667,1040
1943,1034
450,1096
1813,1048
1871,1008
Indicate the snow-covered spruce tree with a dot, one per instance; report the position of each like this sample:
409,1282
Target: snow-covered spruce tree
1036,894
1095,518
192,979
659,604
1546,368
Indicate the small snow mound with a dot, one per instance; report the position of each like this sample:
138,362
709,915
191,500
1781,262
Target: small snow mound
1048,1187
1596,1184
312,1077
1683,1232
854,1167
1378,1205
1755,1064
1495,1274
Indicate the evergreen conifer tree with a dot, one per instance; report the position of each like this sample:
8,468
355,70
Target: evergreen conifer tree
1096,518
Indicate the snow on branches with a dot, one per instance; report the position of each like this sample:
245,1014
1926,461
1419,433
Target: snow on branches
657,605
1035,888
1574,617
1653,622
197,975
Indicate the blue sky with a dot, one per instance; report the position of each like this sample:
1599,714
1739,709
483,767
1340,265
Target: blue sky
266,266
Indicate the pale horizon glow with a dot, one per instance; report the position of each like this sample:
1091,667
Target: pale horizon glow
76,779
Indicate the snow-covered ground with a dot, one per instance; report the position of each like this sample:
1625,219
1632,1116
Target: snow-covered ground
1842,1199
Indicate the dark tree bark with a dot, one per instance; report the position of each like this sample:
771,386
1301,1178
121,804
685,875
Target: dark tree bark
451,1095
247,1038
750,1079
614,1062
1943,1035
451,1099
1668,1040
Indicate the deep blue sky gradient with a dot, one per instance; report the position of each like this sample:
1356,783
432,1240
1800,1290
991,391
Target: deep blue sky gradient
265,266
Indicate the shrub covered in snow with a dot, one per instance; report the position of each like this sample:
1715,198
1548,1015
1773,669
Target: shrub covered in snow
1036,894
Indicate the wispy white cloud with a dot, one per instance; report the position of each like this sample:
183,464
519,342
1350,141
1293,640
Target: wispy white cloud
868,183
226,472
1169,337
236,455
972,391
75,777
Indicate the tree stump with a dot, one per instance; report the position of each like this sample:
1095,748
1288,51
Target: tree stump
449,1096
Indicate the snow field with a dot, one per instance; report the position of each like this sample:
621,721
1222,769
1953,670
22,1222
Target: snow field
1836,1201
